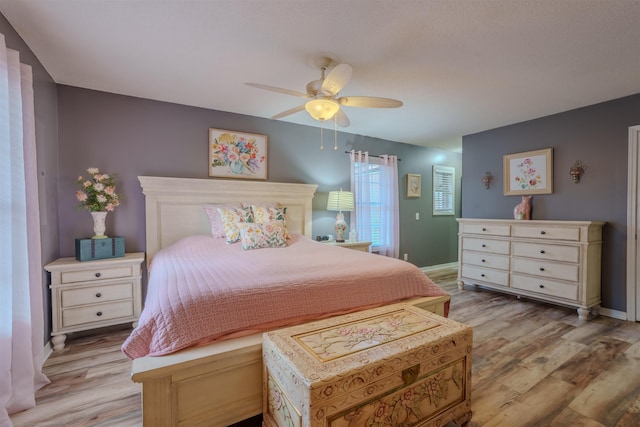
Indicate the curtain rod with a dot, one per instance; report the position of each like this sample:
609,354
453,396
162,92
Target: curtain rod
372,155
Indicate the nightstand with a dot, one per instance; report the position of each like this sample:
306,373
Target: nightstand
351,244
92,294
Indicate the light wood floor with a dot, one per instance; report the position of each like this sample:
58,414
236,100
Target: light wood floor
533,365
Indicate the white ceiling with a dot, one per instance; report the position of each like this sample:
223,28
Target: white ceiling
459,66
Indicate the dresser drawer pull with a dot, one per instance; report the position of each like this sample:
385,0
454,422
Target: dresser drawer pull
484,246
543,232
98,274
484,229
541,268
482,275
541,286
483,261
541,251
99,314
98,295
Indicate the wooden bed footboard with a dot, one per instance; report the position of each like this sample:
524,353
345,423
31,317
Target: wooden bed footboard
214,385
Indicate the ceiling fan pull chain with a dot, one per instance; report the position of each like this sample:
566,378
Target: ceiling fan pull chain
335,133
321,137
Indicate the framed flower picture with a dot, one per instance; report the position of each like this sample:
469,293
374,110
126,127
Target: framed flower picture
237,155
528,173
414,187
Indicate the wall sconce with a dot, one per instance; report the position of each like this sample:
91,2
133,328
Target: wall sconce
576,171
486,180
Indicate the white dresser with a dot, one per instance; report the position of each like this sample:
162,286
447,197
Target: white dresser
92,294
554,261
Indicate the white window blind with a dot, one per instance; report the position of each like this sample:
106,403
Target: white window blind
374,206
443,190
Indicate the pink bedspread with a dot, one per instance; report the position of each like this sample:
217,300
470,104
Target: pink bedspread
201,289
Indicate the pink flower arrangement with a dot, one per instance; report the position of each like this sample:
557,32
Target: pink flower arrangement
98,192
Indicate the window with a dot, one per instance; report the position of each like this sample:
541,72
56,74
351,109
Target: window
443,190
374,206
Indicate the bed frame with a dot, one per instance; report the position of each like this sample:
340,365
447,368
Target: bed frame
221,383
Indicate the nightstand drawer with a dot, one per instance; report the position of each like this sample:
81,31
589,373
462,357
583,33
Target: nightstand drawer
96,274
96,294
97,313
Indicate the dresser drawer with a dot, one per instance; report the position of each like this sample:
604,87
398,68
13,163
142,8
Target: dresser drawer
498,277
547,232
486,260
96,294
544,251
553,270
545,287
486,245
487,229
96,313
97,274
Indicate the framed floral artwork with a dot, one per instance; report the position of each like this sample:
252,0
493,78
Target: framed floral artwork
237,155
414,187
530,172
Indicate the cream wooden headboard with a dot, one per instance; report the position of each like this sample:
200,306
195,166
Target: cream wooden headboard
174,207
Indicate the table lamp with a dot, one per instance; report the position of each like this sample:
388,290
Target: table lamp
340,201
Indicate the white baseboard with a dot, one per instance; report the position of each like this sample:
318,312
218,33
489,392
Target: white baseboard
439,267
620,315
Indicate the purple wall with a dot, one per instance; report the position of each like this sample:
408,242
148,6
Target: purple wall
598,136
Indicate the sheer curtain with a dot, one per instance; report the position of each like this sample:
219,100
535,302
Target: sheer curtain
389,212
375,189
361,188
21,311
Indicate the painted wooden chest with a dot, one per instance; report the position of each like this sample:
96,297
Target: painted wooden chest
390,366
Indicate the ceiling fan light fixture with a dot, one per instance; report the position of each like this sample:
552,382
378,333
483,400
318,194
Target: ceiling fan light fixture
322,109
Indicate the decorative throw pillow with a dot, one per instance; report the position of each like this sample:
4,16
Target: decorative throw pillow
215,221
232,216
271,214
261,235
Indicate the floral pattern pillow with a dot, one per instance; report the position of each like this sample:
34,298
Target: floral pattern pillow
232,216
261,235
215,221
265,214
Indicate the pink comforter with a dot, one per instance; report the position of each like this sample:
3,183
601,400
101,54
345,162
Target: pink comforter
201,289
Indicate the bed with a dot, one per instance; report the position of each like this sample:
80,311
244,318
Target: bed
219,382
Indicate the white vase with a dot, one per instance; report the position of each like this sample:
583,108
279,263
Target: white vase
99,224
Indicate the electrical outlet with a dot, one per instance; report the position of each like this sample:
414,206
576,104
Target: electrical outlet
406,257
417,215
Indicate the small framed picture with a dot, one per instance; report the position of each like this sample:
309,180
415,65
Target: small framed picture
237,155
527,173
414,187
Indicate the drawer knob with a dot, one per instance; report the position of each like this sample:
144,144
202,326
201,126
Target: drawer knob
99,314
484,229
98,274
541,268
541,286
543,232
98,295
484,246
541,251
482,275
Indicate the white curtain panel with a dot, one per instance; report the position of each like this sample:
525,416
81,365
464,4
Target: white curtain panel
21,309
360,187
389,213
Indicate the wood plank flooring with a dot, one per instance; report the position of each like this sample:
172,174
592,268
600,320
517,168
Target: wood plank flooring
533,365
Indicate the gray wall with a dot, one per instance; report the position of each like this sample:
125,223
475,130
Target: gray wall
597,135
46,114
132,136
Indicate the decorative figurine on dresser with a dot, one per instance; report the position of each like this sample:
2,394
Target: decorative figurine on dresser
523,209
553,261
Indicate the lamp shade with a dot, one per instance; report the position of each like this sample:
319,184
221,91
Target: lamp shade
340,201
322,109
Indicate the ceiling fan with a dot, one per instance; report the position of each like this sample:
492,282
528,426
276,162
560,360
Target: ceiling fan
324,103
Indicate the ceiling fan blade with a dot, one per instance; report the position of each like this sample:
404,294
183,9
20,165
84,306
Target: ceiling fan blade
342,119
288,112
278,89
368,102
336,79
